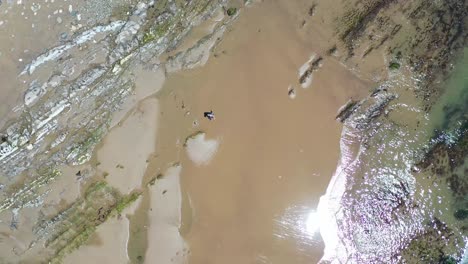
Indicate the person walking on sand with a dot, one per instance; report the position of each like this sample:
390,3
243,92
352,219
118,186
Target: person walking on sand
209,115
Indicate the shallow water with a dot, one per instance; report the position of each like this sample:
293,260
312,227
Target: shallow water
380,205
450,113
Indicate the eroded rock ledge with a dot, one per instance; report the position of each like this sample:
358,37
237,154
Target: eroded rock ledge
74,89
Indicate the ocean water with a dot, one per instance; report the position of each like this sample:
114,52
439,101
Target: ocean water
449,119
450,114
385,210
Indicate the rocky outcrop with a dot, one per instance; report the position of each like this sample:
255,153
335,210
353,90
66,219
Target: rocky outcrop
74,90
424,36
76,95
383,208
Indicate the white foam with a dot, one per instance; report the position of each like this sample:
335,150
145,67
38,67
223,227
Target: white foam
330,204
201,150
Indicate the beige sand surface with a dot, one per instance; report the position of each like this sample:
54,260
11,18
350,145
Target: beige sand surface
252,202
165,245
126,149
149,80
255,201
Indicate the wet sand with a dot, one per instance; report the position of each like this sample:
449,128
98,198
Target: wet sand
255,201
108,244
276,155
166,245
270,153
123,158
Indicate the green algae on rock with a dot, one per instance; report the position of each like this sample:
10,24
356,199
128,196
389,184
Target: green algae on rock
72,227
394,66
231,11
27,193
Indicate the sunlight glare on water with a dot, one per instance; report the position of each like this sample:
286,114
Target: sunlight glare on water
313,222
301,223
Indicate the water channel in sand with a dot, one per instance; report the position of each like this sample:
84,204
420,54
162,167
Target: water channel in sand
256,200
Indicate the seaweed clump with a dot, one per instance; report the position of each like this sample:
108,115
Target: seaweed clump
394,66
231,11
434,245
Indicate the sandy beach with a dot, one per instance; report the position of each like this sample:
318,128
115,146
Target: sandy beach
255,199
246,189
206,132
251,203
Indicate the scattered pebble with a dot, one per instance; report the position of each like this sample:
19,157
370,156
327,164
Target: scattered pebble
291,92
63,36
59,20
312,10
35,7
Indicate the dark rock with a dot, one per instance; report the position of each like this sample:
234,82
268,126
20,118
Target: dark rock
312,10
314,66
346,110
461,214
431,246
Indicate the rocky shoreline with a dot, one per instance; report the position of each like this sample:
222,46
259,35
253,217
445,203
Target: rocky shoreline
426,37
421,41
385,214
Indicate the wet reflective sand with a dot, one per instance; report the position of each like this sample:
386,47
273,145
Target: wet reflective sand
255,201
